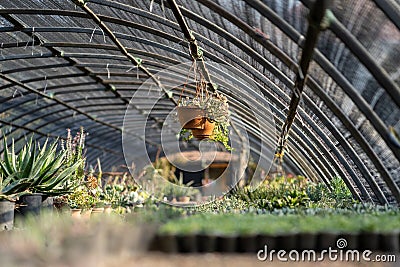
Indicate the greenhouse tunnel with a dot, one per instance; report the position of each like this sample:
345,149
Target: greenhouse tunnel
67,64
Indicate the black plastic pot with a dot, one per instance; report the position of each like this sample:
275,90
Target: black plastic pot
306,241
368,240
167,243
30,204
266,240
187,243
326,240
286,242
351,239
226,243
247,243
6,215
206,243
389,242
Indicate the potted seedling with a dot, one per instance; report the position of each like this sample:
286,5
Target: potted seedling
182,192
81,201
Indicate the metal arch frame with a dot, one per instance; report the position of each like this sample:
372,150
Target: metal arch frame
59,65
97,79
51,49
29,130
372,155
390,11
67,116
100,22
362,143
60,102
362,54
50,105
375,158
348,168
37,130
238,43
343,162
329,69
388,181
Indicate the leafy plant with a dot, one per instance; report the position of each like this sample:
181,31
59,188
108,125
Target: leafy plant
178,189
35,169
123,192
73,147
277,193
10,190
81,199
216,109
275,224
338,197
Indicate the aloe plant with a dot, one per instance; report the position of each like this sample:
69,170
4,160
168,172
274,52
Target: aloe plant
35,169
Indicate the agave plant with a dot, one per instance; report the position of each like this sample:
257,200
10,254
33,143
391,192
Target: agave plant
10,189
35,170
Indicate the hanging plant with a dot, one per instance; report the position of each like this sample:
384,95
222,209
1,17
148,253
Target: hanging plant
206,115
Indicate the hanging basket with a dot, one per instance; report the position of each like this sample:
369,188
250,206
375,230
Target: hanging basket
206,131
190,117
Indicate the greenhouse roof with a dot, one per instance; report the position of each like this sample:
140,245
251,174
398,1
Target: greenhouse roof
65,64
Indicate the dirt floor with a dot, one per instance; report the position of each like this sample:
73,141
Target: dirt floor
209,260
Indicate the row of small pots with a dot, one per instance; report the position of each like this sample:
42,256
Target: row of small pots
86,214
388,242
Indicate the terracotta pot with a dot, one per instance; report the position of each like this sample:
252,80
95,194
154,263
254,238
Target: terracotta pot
107,209
184,199
85,214
96,212
76,213
206,132
190,117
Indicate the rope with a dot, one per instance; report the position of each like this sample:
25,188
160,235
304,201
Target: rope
194,50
